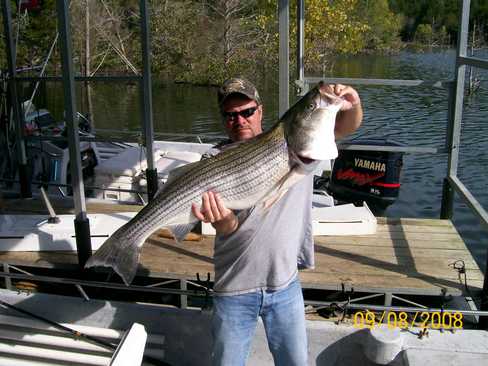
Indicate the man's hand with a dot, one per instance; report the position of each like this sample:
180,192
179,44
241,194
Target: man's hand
214,211
347,93
350,115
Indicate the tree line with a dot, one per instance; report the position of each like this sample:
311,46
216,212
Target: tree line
203,41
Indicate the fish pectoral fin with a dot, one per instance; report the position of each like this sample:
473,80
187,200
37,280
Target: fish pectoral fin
274,195
180,231
273,199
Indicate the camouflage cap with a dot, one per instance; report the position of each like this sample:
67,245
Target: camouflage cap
240,86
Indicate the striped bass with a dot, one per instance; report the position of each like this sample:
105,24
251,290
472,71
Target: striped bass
244,174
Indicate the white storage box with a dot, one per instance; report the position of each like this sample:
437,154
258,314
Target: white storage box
337,220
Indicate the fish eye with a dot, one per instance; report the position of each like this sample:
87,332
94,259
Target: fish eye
311,106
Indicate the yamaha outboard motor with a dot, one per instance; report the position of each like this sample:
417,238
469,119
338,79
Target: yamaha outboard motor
366,175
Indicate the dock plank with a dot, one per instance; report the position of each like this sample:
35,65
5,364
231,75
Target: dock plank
455,243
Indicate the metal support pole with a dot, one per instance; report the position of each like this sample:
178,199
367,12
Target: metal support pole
24,178
183,296
457,112
447,203
451,91
146,101
8,280
81,222
483,321
300,39
284,57
462,50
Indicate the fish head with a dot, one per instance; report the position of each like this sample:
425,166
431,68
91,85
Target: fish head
309,125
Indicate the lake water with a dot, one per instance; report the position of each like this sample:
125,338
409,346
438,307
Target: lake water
414,116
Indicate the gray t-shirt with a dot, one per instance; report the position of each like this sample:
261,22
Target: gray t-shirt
269,246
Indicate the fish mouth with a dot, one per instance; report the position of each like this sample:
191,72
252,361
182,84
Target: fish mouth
327,98
305,160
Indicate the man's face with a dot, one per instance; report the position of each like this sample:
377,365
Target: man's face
242,117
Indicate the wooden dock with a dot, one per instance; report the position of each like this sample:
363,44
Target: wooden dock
405,256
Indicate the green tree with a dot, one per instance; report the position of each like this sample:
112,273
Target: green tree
424,34
383,25
441,15
37,30
180,45
332,27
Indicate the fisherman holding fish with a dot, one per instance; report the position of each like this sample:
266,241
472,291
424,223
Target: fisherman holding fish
257,192
258,250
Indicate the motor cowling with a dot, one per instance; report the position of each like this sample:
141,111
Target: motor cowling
367,175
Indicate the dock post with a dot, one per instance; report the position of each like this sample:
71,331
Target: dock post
152,183
81,223
483,322
447,204
146,101
24,176
83,240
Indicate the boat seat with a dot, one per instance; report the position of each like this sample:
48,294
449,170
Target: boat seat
129,163
174,159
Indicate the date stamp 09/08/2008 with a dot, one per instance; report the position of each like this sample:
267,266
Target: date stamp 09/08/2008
433,320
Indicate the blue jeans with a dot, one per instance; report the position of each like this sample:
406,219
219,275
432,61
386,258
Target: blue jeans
234,322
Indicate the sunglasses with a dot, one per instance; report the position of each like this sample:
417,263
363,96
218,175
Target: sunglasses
246,113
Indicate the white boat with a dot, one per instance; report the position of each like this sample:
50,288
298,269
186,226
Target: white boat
122,166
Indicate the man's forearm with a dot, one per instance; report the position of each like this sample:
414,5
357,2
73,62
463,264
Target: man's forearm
348,121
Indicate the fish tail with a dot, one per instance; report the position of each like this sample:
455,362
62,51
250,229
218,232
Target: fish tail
121,253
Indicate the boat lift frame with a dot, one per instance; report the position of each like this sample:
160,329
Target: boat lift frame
81,223
455,96
452,184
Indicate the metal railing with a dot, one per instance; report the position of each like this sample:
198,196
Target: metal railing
455,92
452,183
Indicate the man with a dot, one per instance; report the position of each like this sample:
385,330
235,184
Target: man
257,254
